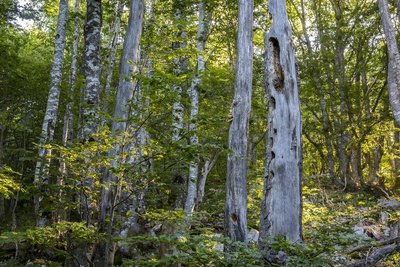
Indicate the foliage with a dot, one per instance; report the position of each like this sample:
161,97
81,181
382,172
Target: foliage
8,185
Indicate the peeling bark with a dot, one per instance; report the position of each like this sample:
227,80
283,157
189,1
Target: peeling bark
236,190
50,119
282,205
92,68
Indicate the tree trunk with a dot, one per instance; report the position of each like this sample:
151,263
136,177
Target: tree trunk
92,68
126,89
180,67
282,204
2,200
375,162
394,60
236,190
89,118
194,95
113,51
68,127
50,119
209,164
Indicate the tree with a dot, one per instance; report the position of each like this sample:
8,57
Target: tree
68,125
236,192
92,68
282,204
194,98
50,119
126,90
394,60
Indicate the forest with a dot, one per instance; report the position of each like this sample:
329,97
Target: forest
191,133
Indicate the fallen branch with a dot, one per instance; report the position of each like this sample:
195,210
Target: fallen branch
377,244
375,256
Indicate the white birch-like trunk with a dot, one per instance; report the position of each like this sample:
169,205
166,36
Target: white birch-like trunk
180,67
92,69
50,119
126,90
236,189
282,205
394,60
67,133
194,110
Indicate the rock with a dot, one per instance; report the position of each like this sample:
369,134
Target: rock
252,236
276,257
392,204
359,230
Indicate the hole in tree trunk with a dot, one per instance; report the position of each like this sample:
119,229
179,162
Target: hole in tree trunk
234,217
273,102
272,154
279,78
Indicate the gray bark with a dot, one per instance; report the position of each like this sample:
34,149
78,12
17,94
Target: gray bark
282,205
194,96
113,51
126,89
50,119
89,112
236,191
67,133
2,203
209,164
180,67
92,68
398,9
394,60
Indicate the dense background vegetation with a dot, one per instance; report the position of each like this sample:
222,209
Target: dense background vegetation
351,164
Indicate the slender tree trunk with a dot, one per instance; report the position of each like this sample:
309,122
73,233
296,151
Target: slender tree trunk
194,95
2,202
355,162
126,90
394,60
180,68
50,119
236,190
209,164
68,127
282,204
375,161
113,51
398,9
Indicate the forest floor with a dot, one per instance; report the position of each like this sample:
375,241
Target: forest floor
338,227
